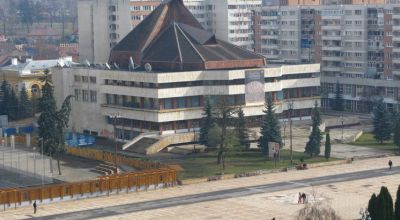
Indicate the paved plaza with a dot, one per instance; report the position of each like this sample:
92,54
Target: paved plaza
348,189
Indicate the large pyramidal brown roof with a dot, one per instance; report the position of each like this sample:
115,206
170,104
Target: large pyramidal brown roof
171,39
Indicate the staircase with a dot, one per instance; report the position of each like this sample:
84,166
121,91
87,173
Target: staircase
166,141
154,144
141,145
105,169
138,138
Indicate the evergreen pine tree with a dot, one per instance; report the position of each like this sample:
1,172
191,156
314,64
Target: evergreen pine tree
382,126
241,130
372,209
338,104
47,122
327,146
394,118
207,123
313,146
24,106
52,122
384,205
396,134
397,205
270,128
4,98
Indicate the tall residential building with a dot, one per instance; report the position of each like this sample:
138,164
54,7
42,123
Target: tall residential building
355,44
141,8
101,25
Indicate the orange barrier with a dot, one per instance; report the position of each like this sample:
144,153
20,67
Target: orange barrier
22,140
110,157
128,181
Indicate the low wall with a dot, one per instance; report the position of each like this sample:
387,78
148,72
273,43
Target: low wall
337,122
258,172
94,154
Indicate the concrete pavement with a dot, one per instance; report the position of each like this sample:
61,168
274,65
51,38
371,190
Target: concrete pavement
223,194
262,197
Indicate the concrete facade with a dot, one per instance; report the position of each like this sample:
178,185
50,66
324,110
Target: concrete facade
173,102
101,25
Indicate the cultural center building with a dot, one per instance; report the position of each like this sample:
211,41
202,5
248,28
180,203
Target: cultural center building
159,76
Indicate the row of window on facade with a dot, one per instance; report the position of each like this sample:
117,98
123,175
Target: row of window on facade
204,82
127,129
360,91
85,79
198,101
82,95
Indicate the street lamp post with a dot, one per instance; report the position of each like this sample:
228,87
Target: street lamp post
284,132
114,118
342,121
4,148
42,148
194,141
290,109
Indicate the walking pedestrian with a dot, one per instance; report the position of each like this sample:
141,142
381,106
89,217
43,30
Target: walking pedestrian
34,207
304,197
390,164
299,199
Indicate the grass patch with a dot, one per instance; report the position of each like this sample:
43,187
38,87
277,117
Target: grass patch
368,140
205,165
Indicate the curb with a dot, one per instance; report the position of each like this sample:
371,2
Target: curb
258,172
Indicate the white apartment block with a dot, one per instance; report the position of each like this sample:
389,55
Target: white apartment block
287,33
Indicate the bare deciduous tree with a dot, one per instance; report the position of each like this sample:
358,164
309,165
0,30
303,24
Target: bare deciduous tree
317,210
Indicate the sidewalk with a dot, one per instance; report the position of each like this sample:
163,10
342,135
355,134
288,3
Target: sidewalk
346,198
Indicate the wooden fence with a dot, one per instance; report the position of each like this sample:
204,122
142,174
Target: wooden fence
110,157
107,184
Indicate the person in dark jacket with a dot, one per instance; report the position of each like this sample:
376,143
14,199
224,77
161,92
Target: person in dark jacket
34,207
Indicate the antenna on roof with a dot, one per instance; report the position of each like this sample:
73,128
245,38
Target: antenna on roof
107,66
116,66
148,67
87,63
131,64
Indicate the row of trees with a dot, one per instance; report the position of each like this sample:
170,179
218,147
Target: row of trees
381,206
16,107
216,133
218,121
